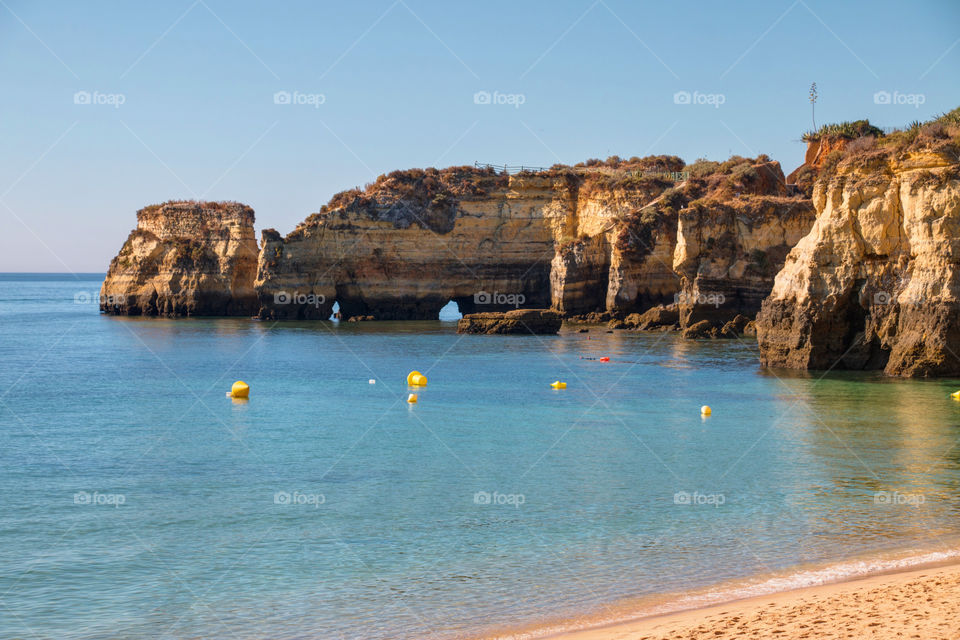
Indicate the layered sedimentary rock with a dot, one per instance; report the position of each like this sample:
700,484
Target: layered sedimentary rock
406,249
185,259
518,321
735,223
876,282
641,262
604,240
728,253
415,240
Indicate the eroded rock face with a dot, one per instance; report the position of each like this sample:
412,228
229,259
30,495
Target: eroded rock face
732,226
875,284
518,321
641,262
402,254
595,242
413,241
729,252
185,259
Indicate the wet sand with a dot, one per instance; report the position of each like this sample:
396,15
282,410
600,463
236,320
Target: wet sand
920,604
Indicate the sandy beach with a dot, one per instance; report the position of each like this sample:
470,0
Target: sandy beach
916,604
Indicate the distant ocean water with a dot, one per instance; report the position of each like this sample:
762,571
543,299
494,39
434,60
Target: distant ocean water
139,501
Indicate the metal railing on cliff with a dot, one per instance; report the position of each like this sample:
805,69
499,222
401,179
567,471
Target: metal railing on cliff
508,168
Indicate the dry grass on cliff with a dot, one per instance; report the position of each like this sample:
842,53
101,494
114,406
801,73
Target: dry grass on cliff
632,183
647,163
874,149
735,177
211,205
419,187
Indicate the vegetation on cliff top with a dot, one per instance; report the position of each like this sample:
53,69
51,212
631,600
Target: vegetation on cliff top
843,130
429,196
211,205
749,188
937,135
434,187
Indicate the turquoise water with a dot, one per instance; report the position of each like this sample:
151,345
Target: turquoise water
139,501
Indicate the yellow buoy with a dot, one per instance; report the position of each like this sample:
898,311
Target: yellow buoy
705,410
240,389
558,385
416,379
412,398
955,395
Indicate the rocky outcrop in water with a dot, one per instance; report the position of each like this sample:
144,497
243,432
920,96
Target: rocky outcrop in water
518,321
596,241
185,259
615,239
876,282
415,240
722,235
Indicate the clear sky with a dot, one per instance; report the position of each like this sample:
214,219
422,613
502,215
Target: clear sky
181,95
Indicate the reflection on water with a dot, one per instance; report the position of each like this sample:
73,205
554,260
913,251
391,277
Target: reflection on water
627,492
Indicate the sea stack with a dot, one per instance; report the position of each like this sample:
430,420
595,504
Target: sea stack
185,259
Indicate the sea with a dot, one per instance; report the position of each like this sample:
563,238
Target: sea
138,500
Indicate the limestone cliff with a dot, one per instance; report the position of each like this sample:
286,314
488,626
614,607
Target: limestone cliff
876,282
734,224
602,239
185,259
415,240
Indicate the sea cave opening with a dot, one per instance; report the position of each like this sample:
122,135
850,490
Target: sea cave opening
450,312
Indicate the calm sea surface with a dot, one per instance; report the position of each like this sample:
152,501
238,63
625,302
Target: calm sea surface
139,501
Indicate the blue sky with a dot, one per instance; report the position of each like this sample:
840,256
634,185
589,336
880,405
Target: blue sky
182,96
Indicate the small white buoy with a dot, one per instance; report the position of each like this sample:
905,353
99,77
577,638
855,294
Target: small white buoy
372,381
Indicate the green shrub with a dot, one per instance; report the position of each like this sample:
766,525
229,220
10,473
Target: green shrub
846,130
